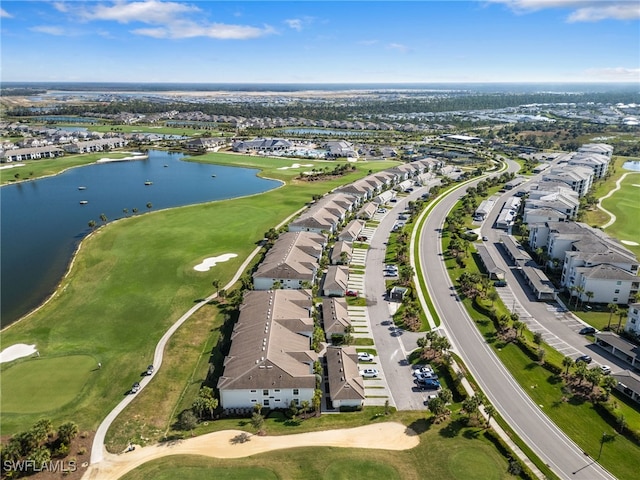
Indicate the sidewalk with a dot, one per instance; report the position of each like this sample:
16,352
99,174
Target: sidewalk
498,429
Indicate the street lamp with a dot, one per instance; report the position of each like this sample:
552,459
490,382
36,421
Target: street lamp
604,436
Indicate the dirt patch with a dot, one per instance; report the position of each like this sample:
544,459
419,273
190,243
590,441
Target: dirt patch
237,444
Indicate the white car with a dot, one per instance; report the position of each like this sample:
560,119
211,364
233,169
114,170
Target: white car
365,357
423,370
606,369
369,373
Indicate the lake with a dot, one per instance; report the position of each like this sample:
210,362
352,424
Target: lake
42,221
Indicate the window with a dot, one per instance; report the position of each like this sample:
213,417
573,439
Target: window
296,391
615,300
277,390
617,290
253,391
265,392
266,402
619,282
277,400
253,400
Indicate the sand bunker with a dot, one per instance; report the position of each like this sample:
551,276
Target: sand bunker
629,242
12,166
207,263
296,165
18,350
225,444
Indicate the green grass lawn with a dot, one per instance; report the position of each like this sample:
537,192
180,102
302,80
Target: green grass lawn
625,205
446,451
132,279
40,385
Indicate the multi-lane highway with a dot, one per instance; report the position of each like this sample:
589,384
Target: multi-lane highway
529,421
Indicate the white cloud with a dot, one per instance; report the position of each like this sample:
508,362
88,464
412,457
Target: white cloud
367,42
220,31
582,10
49,29
398,47
170,20
299,23
5,14
615,74
61,7
148,11
294,23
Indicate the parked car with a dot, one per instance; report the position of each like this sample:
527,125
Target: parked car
428,384
500,283
402,217
424,369
390,273
587,331
606,369
365,357
485,238
426,376
149,370
382,210
135,387
369,373
393,200
361,238
391,268
584,358
351,293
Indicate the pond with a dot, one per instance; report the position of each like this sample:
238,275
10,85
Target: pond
632,165
42,221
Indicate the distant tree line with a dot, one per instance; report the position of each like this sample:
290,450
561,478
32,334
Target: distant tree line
331,110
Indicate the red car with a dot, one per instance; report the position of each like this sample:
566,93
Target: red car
351,293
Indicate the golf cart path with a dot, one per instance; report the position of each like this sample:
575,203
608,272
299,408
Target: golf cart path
612,220
98,450
229,444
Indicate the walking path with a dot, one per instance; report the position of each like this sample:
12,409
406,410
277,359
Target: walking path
98,450
612,220
237,444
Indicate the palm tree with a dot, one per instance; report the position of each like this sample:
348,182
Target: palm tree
125,211
103,218
92,224
568,363
216,284
621,315
149,205
613,310
134,210
589,295
67,432
580,291
490,410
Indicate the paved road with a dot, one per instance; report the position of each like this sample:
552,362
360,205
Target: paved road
529,421
393,345
559,328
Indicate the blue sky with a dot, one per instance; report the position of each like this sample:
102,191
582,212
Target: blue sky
321,42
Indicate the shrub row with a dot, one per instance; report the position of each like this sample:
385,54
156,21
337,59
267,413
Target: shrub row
608,414
505,450
457,389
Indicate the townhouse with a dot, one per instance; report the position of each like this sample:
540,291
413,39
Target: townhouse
292,262
270,361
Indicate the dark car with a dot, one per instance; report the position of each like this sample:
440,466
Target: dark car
583,358
587,331
428,383
500,283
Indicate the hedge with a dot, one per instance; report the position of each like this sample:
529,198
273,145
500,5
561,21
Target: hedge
505,450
